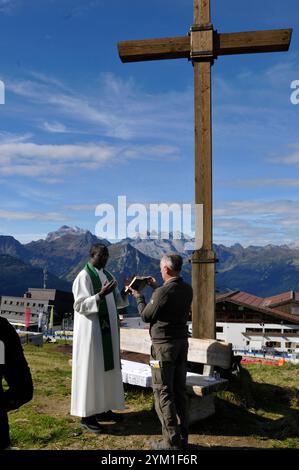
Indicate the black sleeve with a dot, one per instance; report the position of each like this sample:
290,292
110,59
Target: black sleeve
16,372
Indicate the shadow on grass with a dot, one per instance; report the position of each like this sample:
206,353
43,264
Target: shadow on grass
248,408
142,423
245,409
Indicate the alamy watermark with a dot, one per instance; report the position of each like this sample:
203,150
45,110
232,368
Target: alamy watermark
2,353
2,92
177,221
295,94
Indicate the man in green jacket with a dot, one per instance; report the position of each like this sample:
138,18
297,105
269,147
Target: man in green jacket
168,312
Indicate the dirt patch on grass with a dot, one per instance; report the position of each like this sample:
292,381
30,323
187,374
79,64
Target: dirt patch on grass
64,348
56,406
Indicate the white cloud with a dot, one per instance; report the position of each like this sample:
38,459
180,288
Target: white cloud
282,71
49,180
122,110
66,103
116,108
257,222
36,194
55,127
42,160
7,6
30,216
250,208
10,138
254,108
81,207
29,237
48,80
260,183
290,159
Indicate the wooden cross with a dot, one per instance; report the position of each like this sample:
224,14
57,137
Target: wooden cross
202,46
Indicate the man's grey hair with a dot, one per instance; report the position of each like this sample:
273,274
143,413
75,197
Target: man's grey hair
173,261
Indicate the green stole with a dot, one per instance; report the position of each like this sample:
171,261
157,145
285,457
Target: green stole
103,314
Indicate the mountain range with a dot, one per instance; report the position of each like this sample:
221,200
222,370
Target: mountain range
16,276
262,271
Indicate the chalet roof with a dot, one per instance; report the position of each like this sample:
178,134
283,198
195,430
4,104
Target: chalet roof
281,299
245,299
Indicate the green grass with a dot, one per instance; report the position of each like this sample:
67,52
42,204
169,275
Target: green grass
259,409
263,402
39,428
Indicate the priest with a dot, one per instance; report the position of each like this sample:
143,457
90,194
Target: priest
97,386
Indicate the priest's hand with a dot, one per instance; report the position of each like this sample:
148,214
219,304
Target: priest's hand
108,287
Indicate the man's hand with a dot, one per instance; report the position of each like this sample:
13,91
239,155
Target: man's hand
153,283
135,293
108,287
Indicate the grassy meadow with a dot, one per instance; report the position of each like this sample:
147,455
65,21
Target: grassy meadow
258,409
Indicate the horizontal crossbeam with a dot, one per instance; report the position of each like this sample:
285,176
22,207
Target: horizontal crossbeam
249,42
154,49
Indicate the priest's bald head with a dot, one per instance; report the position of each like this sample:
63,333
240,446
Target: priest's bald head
99,255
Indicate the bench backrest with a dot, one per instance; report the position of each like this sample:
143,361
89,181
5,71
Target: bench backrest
203,351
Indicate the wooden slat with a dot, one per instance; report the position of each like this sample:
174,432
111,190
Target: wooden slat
209,351
203,351
251,42
201,387
135,340
154,49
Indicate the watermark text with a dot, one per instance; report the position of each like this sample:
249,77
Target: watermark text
177,221
295,94
2,92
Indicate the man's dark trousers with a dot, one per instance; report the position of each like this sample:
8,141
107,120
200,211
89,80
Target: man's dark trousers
169,386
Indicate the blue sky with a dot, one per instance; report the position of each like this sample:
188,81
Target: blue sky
79,128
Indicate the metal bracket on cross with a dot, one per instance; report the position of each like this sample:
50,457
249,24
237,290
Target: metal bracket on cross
203,261
202,42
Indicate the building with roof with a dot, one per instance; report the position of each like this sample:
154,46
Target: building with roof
286,302
39,302
254,323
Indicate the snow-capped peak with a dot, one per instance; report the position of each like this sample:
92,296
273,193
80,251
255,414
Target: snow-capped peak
65,230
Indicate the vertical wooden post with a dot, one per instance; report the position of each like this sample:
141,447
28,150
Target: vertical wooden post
203,260
202,12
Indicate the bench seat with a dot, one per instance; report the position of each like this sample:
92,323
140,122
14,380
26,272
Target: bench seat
137,373
200,387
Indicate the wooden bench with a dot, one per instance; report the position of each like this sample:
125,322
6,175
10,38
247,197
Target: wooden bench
200,387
